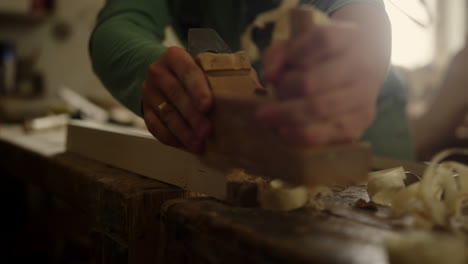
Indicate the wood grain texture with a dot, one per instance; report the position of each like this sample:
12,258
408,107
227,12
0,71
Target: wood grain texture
124,206
206,231
140,153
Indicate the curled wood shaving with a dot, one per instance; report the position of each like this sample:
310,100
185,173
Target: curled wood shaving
280,196
383,185
279,16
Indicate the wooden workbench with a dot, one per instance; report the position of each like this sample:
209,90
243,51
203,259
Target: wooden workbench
125,218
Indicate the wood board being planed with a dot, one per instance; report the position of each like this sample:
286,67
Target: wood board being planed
138,152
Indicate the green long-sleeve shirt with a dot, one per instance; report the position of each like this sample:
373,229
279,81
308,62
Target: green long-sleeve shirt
128,37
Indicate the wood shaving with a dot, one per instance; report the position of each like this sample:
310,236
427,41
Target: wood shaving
280,196
282,29
383,185
279,16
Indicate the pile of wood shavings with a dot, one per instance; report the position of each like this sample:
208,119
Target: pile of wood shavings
439,200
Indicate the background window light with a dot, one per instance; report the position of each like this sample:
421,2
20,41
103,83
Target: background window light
413,45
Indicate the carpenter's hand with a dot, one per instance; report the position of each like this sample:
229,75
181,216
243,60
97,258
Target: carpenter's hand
326,84
176,97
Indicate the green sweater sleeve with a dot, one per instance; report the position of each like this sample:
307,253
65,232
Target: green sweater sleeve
125,41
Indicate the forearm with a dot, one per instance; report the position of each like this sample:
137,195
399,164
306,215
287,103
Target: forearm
125,42
374,40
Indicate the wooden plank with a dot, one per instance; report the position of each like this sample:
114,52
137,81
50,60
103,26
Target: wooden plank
140,153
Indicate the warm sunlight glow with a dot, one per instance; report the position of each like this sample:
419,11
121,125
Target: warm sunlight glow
413,45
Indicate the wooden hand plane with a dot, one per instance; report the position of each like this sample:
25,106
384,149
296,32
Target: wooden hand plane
239,142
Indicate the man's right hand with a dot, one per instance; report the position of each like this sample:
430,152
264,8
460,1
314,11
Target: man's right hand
176,98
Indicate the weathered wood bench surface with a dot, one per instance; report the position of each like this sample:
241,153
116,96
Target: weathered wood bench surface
139,220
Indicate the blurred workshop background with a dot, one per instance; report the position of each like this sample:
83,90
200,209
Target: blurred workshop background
44,59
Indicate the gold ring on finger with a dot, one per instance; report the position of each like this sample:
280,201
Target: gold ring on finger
162,106
164,110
